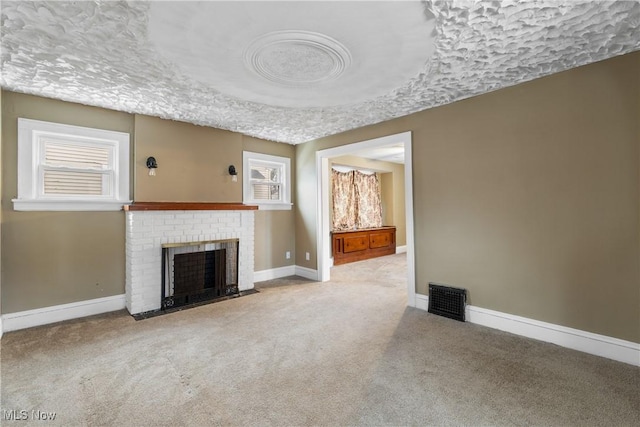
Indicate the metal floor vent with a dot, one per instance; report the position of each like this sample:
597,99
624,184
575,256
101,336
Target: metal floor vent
446,301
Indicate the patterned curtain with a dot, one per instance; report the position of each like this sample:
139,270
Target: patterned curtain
356,200
343,196
368,203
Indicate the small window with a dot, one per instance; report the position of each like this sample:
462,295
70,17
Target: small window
64,167
267,181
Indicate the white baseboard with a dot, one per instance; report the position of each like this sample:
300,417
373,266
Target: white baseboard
401,249
58,313
307,273
1,329
274,273
290,270
422,302
599,345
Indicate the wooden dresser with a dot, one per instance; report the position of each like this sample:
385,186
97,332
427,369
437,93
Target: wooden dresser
356,245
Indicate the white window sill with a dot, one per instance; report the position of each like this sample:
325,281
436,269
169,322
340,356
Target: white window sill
272,206
68,205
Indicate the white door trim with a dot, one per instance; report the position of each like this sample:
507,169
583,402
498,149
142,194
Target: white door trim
322,226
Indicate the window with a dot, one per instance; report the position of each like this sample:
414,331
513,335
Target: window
71,168
266,181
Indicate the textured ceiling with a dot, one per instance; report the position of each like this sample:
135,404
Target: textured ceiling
296,71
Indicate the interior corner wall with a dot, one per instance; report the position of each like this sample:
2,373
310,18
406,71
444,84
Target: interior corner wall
52,258
193,163
274,229
393,185
528,197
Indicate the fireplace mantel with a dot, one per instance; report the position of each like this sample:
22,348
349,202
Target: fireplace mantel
188,206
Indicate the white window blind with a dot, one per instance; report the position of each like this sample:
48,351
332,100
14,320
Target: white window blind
77,169
266,182
74,183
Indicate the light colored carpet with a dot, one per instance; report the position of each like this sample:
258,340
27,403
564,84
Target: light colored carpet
346,352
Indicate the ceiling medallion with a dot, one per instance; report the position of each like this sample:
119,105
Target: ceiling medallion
297,58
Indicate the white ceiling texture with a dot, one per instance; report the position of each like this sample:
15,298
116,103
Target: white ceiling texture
298,70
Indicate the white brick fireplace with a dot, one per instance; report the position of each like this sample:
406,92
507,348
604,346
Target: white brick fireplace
150,225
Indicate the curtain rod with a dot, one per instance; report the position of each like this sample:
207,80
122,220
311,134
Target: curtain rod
363,170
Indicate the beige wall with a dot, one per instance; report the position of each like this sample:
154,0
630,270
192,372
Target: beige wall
193,162
274,236
527,196
386,193
51,258
306,208
391,188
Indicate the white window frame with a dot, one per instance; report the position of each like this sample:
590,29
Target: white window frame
31,195
250,159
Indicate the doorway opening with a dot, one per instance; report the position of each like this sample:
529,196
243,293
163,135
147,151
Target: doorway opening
323,226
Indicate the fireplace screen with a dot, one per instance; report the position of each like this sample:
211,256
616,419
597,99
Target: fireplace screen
196,272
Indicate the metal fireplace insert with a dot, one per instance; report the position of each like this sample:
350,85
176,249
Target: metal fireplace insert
199,271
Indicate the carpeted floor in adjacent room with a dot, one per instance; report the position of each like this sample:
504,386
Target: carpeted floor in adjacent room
345,352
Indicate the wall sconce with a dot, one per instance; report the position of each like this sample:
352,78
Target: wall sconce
234,173
152,165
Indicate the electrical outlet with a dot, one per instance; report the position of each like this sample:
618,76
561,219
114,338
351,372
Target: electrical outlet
307,256
287,255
